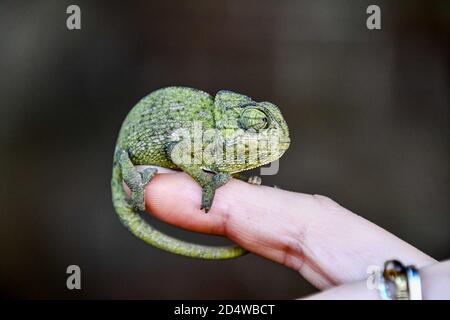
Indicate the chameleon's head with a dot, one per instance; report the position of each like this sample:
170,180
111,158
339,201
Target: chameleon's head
259,124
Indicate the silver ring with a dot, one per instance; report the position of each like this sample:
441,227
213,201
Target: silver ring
398,282
414,283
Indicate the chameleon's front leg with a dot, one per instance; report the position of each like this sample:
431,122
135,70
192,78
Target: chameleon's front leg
135,180
208,181
209,189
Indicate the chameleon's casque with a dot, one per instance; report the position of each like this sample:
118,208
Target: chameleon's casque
209,138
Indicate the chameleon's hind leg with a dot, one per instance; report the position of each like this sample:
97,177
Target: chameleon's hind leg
135,180
256,180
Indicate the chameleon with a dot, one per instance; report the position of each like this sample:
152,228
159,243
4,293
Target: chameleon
159,132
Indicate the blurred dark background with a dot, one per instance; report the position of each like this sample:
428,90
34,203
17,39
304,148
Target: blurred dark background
368,113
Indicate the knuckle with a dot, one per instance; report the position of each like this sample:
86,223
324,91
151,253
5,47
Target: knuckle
327,202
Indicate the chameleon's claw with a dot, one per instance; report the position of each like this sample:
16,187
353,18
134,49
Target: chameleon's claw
206,209
256,180
206,204
207,198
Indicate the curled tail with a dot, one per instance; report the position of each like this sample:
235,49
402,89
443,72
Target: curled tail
141,229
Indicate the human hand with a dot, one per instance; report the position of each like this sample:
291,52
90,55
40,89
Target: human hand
326,243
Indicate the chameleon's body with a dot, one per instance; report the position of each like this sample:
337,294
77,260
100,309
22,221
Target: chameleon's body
150,136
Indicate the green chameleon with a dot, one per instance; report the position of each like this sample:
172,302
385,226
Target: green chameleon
234,134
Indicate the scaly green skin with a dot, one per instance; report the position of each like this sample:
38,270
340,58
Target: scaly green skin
150,136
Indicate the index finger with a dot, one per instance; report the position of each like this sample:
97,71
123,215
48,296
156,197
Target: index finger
312,234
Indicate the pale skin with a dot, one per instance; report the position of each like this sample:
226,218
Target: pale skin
328,245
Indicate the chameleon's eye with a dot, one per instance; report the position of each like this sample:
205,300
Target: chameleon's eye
253,118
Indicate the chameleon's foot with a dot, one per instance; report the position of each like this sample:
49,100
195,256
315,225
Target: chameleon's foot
218,180
137,200
256,180
208,182
207,198
135,180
